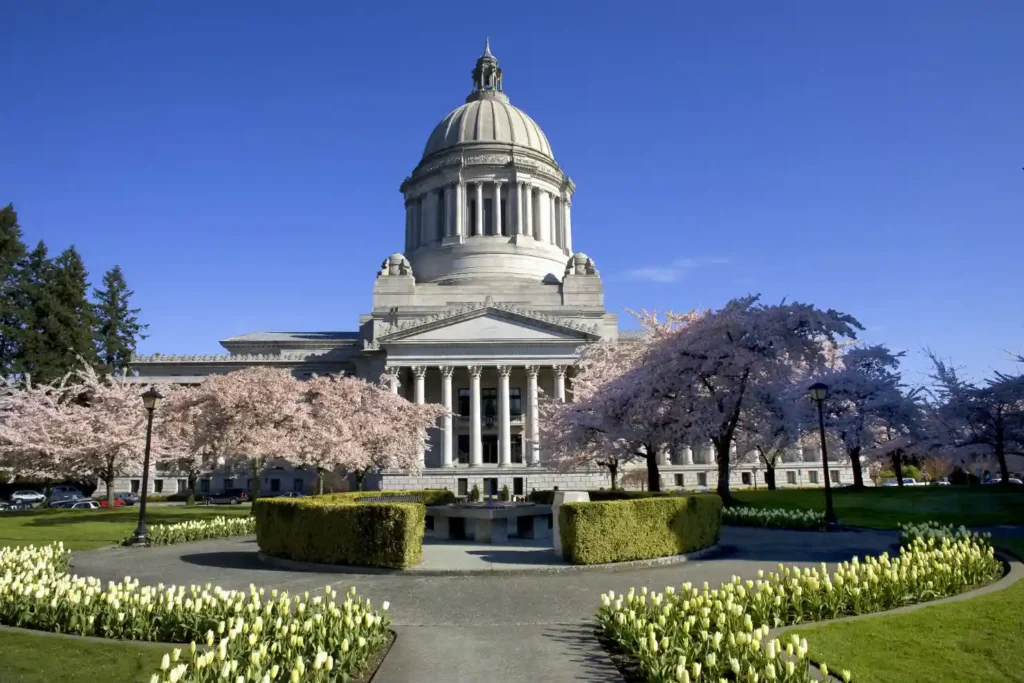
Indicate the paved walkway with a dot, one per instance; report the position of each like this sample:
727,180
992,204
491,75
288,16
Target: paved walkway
523,628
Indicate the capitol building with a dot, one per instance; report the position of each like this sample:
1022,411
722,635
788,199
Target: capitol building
485,309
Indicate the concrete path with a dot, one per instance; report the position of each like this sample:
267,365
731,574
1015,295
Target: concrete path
528,627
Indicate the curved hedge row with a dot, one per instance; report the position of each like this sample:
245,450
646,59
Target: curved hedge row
638,529
341,529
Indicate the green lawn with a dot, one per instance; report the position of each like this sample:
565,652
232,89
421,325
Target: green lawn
981,639
85,529
885,507
27,658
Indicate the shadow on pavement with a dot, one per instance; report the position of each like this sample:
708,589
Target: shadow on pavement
226,560
583,649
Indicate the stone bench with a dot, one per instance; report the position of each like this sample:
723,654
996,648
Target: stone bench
493,524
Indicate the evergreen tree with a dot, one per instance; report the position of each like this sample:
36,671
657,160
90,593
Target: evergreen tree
118,329
59,319
12,253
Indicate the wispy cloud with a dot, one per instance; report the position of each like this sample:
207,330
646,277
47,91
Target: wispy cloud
674,271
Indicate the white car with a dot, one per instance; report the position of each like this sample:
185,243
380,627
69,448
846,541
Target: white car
907,481
85,505
27,497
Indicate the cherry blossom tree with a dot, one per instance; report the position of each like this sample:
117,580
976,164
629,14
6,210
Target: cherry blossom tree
865,405
249,417
768,425
979,420
177,432
28,449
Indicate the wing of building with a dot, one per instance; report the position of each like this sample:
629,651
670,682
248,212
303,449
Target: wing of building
487,306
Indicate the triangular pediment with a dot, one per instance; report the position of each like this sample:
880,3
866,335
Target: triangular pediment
490,324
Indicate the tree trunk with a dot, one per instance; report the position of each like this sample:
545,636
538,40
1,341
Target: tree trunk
897,466
1004,471
320,480
722,456
360,478
653,475
613,472
109,479
769,476
858,473
255,470
192,478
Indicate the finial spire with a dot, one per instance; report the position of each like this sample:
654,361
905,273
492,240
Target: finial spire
487,47
487,77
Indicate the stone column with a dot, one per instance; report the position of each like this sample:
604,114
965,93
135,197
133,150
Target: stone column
687,455
567,222
393,379
504,417
543,217
534,414
460,208
479,228
528,200
420,372
408,227
447,438
446,201
520,225
476,447
497,208
425,233
662,455
559,371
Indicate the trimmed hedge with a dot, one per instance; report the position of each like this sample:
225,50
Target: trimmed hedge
640,529
548,497
332,531
425,496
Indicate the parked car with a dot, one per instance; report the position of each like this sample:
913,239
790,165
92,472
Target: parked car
66,502
227,497
118,502
126,498
27,497
59,493
1013,480
907,481
85,504
291,494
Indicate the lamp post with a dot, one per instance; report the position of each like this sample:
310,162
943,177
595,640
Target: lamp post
149,399
819,392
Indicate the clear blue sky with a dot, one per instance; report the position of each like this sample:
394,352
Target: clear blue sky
241,160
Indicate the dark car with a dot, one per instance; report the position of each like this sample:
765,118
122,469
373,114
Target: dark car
127,497
227,497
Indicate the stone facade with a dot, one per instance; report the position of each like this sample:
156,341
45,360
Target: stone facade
485,310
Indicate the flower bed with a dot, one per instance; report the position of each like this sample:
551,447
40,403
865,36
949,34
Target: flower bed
707,635
252,636
909,532
774,518
198,530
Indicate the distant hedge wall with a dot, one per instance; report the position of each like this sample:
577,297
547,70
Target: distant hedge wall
547,497
638,529
425,496
331,531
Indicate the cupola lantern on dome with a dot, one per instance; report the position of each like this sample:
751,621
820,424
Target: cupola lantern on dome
487,77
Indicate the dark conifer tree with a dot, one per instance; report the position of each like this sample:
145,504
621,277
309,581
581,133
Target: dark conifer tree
12,255
118,329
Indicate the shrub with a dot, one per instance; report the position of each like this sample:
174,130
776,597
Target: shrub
425,496
617,531
773,518
248,631
197,530
331,531
505,495
474,493
710,635
548,497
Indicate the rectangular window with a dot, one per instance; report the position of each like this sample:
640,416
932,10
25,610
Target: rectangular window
275,485
515,402
472,217
791,478
489,405
490,448
204,485
136,485
517,448
517,486
182,485
464,402
441,215
812,476
505,227
491,486
298,485
835,476
679,479
158,486
702,479
488,217
463,487
464,449
746,478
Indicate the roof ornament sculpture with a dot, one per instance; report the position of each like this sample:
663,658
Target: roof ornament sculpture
395,265
580,264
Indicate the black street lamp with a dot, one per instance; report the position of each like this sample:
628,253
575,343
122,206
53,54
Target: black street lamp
149,399
819,392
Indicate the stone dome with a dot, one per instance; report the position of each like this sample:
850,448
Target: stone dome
488,120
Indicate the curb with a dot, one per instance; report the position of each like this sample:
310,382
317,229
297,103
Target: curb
297,565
